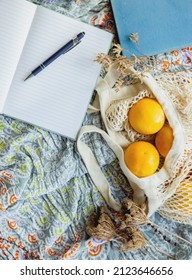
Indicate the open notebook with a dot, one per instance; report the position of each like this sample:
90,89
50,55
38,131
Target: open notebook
57,98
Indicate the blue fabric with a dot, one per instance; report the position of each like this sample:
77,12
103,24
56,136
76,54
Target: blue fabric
162,25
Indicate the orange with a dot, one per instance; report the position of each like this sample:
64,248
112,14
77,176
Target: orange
164,140
142,158
146,116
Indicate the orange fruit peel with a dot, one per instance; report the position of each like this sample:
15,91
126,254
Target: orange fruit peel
141,158
164,140
146,116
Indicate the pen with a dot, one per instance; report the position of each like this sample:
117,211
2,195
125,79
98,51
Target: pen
70,45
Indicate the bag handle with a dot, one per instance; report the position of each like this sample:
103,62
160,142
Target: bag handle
93,166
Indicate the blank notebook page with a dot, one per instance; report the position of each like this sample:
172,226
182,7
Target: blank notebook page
13,33
57,98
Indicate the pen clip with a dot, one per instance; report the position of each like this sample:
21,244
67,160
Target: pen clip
72,47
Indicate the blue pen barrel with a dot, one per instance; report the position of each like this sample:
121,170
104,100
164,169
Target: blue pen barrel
53,57
80,36
61,51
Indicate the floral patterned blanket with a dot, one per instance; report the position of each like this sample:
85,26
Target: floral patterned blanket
46,193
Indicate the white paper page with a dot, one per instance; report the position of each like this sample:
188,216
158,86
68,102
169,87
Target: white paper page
16,17
57,98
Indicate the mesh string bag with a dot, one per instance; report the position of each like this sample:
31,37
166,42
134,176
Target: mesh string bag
179,206
172,91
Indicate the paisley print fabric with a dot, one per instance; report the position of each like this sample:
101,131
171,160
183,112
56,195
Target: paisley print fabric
46,193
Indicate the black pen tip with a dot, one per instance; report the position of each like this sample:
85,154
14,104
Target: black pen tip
28,77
